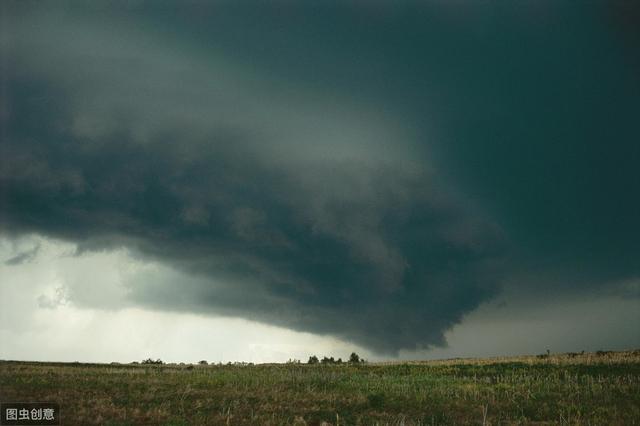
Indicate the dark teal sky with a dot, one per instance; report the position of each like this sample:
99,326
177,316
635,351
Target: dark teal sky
366,170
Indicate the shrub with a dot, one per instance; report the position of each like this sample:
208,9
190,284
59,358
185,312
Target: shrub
376,400
313,360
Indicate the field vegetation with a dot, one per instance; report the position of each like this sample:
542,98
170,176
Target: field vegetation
574,389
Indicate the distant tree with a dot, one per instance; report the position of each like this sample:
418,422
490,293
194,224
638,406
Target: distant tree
354,358
150,361
313,360
203,362
339,361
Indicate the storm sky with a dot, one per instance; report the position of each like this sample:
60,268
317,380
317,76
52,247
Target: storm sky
257,180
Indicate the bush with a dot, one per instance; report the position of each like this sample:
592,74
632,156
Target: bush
150,361
313,360
203,362
376,400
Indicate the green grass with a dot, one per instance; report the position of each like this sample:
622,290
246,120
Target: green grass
584,389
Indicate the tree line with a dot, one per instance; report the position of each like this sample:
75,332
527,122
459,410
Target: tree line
354,358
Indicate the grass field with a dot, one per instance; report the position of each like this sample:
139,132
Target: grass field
590,389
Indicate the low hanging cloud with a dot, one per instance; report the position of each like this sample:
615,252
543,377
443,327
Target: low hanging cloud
23,257
305,211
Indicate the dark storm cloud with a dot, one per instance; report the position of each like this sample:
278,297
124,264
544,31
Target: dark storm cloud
366,171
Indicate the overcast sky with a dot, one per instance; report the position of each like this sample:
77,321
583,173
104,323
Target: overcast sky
261,181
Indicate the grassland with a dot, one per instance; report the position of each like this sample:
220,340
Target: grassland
589,389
